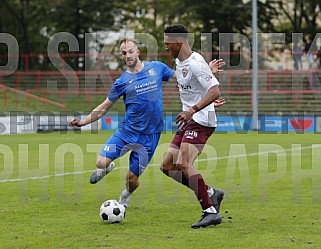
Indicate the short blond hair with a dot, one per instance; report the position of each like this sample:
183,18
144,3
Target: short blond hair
124,40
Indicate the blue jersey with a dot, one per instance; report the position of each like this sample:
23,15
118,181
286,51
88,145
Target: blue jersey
142,95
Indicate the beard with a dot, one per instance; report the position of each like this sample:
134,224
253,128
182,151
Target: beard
132,63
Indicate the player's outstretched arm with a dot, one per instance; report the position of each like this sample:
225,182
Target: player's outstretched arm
215,65
96,114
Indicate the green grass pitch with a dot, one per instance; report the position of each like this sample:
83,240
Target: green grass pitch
272,184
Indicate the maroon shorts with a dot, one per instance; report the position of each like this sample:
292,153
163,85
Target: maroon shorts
192,133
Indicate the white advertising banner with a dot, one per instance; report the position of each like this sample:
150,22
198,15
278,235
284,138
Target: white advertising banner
17,124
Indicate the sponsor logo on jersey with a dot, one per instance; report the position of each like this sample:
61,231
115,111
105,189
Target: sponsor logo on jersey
184,72
185,87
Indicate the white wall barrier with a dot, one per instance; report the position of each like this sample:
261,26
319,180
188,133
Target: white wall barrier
13,123
23,122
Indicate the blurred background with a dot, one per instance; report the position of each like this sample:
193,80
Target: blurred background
62,55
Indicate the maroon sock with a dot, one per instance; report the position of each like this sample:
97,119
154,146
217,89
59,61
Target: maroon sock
197,184
179,177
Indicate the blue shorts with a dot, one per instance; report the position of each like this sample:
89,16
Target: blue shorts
142,148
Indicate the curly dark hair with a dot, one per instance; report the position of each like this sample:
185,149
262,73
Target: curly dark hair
176,30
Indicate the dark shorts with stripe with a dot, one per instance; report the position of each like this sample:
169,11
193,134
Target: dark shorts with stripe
192,133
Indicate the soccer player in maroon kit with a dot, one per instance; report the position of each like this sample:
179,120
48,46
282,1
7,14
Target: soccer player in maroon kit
198,89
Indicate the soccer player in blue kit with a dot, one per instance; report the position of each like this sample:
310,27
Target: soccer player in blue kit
141,88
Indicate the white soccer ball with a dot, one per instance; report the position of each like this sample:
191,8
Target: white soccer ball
112,211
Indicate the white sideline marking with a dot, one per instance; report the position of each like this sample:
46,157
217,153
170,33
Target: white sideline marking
156,164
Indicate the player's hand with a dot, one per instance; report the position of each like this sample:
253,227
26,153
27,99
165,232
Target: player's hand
219,102
182,118
215,65
75,122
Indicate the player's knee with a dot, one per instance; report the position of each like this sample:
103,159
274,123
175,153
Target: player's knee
184,167
164,168
167,163
101,163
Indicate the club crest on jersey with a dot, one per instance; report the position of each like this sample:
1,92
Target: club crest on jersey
184,72
151,72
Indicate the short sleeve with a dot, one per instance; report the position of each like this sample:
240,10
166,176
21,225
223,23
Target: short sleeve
116,91
204,75
167,72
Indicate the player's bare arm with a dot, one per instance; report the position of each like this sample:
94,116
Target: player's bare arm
96,114
211,96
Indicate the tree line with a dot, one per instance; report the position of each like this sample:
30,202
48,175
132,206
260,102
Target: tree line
33,22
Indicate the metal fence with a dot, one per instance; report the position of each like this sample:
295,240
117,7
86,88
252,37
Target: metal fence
281,89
